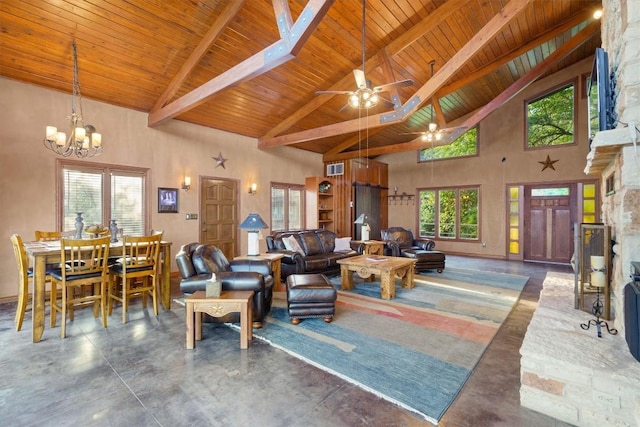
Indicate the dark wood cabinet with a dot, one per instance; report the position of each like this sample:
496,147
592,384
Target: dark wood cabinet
362,172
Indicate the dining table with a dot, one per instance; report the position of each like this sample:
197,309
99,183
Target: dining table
42,253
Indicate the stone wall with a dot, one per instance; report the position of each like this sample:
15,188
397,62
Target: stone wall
569,373
621,210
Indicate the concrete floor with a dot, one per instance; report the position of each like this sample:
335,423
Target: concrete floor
140,374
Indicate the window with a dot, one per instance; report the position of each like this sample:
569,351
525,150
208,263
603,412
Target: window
103,193
449,213
287,207
550,118
465,145
610,185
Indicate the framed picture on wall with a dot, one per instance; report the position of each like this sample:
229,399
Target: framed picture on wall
167,200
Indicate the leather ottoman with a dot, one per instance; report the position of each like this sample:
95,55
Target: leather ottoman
310,295
426,260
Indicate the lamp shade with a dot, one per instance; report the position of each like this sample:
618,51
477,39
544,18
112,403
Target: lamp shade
253,222
362,219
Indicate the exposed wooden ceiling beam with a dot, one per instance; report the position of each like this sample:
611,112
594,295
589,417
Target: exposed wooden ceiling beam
477,42
194,59
396,46
593,29
582,16
265,60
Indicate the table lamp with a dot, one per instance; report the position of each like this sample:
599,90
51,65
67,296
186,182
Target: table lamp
363,220
253,223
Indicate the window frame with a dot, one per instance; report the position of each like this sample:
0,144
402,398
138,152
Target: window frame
571,82
288,187
107,171
458,225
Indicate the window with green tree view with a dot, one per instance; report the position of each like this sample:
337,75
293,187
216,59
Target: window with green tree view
449,213
551,118
465,145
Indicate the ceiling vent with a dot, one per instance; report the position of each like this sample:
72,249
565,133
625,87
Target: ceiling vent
334,169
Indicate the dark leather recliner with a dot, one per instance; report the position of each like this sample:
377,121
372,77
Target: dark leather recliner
400,242
197,262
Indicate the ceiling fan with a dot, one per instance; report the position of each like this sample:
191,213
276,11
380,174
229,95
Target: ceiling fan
433,133
366,96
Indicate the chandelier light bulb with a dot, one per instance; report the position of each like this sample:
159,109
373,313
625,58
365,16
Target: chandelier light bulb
97,139
80,134
61,139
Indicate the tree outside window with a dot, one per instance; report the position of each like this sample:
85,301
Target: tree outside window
449,213
465,145
551,119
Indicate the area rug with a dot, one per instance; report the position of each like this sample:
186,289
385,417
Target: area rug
416,350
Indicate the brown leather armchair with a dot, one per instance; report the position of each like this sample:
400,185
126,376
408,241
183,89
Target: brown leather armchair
400,242
197,262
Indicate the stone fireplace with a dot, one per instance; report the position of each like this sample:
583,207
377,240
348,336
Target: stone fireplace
567,372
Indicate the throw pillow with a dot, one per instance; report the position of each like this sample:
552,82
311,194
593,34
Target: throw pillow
292,244
343,244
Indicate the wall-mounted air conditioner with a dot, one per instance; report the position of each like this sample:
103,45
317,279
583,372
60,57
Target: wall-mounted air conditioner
334,169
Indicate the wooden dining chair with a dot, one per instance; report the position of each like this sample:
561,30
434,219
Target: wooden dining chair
136,275
86,263
25,277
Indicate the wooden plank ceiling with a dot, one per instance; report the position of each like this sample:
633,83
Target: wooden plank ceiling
253,67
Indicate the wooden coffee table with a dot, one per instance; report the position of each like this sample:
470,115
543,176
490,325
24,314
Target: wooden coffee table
228,302
386,266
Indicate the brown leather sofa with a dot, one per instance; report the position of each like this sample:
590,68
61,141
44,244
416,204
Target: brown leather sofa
197,262
318,252
400,242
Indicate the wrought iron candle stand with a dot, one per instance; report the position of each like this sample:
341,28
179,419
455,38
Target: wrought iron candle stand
598,277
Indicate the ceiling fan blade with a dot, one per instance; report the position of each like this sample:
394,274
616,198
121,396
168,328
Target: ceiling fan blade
345,107
394,85
334,92
451,129
387,103
361,80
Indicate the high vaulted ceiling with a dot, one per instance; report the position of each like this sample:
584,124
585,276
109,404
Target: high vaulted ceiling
253,67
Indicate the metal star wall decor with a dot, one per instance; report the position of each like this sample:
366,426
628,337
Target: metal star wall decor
548,163
220,161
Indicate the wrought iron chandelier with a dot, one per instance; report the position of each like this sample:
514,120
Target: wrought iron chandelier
83,139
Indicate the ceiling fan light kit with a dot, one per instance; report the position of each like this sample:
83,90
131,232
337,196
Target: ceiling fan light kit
363,98
366,96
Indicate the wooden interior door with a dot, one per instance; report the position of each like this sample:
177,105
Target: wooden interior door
548,225
219,214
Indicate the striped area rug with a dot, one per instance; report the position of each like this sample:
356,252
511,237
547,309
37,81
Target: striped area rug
416,350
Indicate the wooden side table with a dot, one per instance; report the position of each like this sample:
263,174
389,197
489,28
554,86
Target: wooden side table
371,247
228,302
276,266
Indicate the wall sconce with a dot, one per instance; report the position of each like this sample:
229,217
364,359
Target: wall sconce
186,184
253,188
